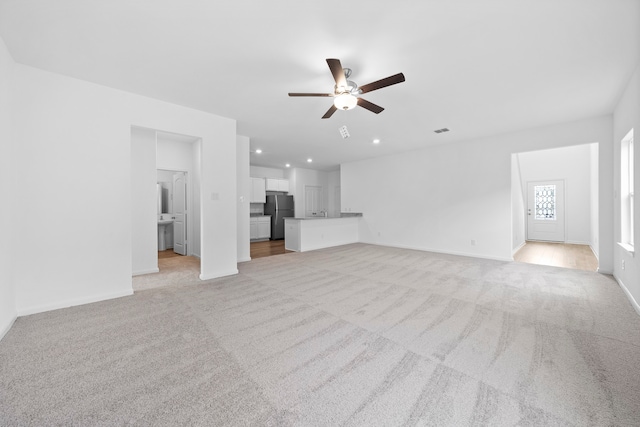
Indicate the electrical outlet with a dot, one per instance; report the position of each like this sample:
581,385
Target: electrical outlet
623,264
473,242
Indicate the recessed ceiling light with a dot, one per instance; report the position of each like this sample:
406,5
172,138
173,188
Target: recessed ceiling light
309,160
287,165
376,141
258,151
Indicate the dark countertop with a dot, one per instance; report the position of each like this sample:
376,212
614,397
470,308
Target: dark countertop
342,216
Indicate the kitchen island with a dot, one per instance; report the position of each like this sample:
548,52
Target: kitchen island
307,234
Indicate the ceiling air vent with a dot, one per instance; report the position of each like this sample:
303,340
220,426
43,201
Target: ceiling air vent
441,130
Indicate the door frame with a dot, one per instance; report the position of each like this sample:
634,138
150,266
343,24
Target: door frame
188,216
563,204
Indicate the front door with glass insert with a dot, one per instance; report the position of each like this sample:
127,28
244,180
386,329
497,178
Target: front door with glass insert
545,211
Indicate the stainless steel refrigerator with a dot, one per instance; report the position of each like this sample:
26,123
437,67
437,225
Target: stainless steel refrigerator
279,207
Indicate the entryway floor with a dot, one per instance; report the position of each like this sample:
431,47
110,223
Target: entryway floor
175,270
578,257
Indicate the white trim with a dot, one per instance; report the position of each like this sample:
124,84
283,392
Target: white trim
577,242
627,247
438,251
218,274
141,272
7,328
73,302
632,300
513,252
244,259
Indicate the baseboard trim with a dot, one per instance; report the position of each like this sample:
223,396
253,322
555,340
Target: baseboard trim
520,246
634,303
577,242
218,274
141,272
7,327
72,302
439,251
244,259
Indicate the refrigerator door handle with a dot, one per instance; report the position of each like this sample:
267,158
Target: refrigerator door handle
276,197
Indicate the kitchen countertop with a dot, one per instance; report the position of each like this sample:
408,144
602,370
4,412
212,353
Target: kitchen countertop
313,218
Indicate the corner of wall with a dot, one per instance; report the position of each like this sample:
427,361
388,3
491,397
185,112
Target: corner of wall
243,196
8,312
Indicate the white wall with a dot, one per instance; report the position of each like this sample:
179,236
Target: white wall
333,193
144,231
298,179
442,197
595,195
626,117
70,137
243,183
264,172
9,212
194,227
518,203
573,166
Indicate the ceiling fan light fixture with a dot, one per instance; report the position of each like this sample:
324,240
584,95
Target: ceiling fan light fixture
345,101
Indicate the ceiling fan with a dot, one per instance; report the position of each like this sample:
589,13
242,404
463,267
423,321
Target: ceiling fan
346,94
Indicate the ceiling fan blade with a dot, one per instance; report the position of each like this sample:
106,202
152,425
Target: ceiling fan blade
391,80
309,94
370,106
330,112
338,73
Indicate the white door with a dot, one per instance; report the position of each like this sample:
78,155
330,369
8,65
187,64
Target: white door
180,213
312,200
545,211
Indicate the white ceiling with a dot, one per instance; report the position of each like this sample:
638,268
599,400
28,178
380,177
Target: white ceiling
478,67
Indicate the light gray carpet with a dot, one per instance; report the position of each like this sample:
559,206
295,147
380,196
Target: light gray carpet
357,335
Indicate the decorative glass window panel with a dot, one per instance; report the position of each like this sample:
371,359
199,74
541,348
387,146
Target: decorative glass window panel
545,196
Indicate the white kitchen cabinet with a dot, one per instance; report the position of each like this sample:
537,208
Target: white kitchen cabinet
260,227
274,184
264,227
253,228
258,191
283,185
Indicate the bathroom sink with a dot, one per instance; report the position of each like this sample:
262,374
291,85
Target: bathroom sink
162,225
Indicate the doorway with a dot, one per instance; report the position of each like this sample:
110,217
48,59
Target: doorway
545,211
164,164
174,210
555,203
